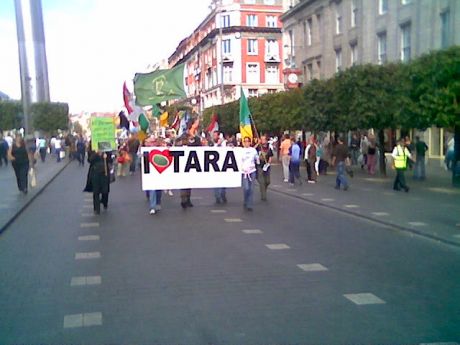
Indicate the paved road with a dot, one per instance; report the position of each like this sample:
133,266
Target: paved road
201,277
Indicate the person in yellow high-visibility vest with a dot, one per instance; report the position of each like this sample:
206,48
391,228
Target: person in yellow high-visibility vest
400,157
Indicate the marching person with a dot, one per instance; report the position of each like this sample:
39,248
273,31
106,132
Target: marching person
98,181
250,159
263,168
310,159
401,156
42,147
154,196
19,158
339,155
219,193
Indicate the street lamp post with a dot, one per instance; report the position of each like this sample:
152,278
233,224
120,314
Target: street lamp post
221,53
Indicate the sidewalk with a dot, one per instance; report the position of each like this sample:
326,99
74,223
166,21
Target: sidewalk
431,208
13,202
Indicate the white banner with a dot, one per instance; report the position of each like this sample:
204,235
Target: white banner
190,167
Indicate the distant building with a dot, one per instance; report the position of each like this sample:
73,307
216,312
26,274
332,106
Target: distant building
4,96
237,44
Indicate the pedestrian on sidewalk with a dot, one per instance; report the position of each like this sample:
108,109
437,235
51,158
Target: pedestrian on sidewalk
19,158
420,149
294,163
285,158
98,181
58,148
42,147
220,193
3,151
310,160
264,166
81,150
355,144
250,158
339,155
371,155
401,157
364,147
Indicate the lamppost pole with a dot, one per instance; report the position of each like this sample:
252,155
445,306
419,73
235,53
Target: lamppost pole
221,22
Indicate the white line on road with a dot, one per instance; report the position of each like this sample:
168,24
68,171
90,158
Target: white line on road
84,281
87,214
218,211
417,224
233,220
308,194
291,190
252,231
277,246
90,255
458,224
89,238
364,298
82,320
327,199
89,225
196,198
457,236
351,206
380,214
312,267
87,206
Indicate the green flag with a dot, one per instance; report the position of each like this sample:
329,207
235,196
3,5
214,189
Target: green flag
144,122
159,86
245,117
156,111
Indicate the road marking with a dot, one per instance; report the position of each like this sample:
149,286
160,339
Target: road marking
84,281
87,214
291,190
351,206
308,194
277,186
218,211
380,214
233,220
277,246
89,238
458,224
417,224
82,320
367,189
312,267
252,231
87,206
327,199
448,343
90,255
89,225
88,199
444,190
364,298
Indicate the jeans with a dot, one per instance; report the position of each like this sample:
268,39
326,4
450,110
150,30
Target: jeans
341,179
294,172
220,194
248,189
58,155
154,198
419,169
311,172
400,180
132,167
81,157
354,156
43,154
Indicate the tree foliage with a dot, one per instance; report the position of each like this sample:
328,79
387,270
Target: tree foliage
10,115
49,117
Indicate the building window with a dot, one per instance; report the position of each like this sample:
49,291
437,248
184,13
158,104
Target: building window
338,60
272,74
445,29
269,2
252,73
354,13
320,26
252,46
405,42
271,47
318,67
226,21
251,20
308,33
271,91
383,6
338,18
228,73
382,48
226,47
253,92
310,71
354,53
271,22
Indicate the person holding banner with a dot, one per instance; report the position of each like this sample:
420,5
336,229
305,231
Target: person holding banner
98,181
219,193
250,159
189,138
154,196
263,169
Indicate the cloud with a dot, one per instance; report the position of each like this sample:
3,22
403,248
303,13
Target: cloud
93,46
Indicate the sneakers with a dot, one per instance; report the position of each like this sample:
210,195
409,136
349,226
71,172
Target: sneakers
152,211
286,180
311,181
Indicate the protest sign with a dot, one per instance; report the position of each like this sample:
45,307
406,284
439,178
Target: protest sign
103,134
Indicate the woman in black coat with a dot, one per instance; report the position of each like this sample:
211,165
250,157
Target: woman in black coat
20,161
98,180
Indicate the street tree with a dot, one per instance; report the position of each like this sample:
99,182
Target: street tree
50,117
10,115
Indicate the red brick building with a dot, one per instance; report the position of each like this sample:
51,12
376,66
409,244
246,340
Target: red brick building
239,44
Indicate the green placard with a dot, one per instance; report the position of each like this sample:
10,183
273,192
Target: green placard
103,134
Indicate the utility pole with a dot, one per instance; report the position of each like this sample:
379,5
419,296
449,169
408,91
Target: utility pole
221,52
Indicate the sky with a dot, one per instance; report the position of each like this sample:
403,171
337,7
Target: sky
93,46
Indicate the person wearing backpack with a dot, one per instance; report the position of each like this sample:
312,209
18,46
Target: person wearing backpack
310,160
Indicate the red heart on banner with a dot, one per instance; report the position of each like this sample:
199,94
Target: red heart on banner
161,160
